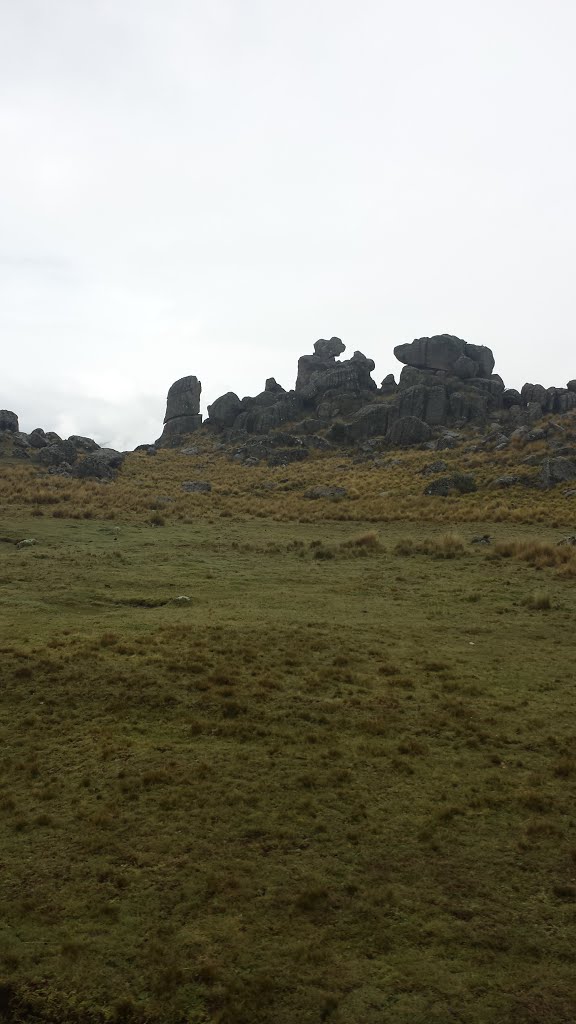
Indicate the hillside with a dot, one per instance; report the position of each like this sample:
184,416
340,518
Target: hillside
288,727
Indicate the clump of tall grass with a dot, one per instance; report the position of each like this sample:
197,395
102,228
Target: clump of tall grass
449,545
539,601
362,545
540,554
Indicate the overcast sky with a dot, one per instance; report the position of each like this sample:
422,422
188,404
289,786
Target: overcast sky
208,186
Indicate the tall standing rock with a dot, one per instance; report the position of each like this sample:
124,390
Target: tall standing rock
182,411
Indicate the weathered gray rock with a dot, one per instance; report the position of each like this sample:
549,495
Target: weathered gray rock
261,421
83,444
439,466
571,385
102,464
557,471
183,398
196,486
565,401
274,387
320,372
284,456
511,396
337,404
407,431
53,437
447,352
389,385
329,349
410,376
505,481
224,410
59,454
490,385
458,483
331,493
534,393
264,400
483,357
8,420
182,411
176,429
465,367
468,406
37,438
534,412
370,421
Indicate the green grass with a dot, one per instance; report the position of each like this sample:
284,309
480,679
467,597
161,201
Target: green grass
324,789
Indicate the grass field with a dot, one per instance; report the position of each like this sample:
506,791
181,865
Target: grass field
335,784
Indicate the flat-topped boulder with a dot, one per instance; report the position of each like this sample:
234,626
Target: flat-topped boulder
449,353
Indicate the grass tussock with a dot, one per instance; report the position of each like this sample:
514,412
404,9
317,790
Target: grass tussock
540,554
539,600
449,545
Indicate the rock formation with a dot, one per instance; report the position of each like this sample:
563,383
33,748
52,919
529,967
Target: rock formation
445,382
182,411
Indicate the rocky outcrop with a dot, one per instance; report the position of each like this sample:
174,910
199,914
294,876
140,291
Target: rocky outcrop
182,411
446,382
8,420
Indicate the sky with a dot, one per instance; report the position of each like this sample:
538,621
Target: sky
209,186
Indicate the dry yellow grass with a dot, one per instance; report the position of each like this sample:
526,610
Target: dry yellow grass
385,489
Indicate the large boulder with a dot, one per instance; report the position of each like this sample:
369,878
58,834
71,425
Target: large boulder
8,420
424,403
534,393
63,453
468,406
571,385
408,431
370,421
557,471
37,438
564,401
510,397
482,356
447,352
224,410
99,465
83,444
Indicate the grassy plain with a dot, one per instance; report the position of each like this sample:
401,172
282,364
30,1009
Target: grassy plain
336,784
